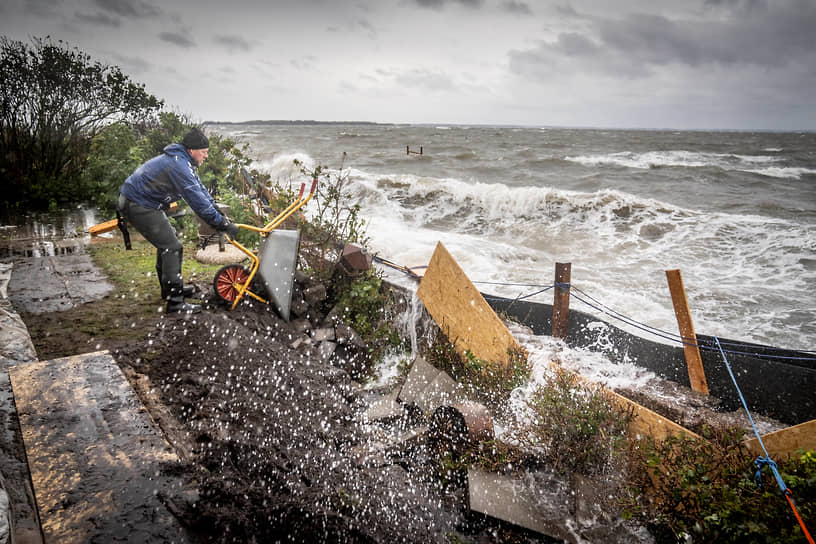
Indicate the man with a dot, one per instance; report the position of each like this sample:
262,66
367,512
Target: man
147,194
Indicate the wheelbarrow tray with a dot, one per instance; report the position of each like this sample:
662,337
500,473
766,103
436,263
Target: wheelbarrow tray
277,260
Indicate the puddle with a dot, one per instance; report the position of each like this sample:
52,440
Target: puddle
47,234
51,270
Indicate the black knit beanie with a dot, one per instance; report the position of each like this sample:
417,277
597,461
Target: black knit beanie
195,139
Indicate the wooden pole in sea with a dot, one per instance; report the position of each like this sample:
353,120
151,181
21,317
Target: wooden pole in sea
561,297
690,347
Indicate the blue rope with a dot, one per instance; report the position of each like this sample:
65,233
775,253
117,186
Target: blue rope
762,461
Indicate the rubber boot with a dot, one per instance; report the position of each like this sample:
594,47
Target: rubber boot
168,269
176,304
187,291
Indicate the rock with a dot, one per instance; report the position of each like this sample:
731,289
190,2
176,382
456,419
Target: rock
213,255
322,334
299,308
385,409
326,350
419,377
300,277
347,335
15,343
300,340
5,277
369,455
302,325
315,295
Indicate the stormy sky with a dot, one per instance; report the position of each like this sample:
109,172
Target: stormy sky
707,64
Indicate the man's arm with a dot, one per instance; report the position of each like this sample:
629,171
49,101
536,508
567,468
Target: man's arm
197,196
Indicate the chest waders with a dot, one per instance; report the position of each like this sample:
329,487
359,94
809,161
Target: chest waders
155,226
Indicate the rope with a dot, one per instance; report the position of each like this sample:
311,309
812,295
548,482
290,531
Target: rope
761,461
606,310
407,270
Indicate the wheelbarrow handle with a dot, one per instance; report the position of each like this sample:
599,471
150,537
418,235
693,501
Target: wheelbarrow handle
248,227
314,185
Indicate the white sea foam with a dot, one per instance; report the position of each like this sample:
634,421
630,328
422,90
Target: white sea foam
677,158
745,246
782,172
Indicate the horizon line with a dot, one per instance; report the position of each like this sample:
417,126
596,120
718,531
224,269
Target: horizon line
497,125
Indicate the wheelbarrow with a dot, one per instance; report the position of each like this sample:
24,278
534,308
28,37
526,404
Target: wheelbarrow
274,263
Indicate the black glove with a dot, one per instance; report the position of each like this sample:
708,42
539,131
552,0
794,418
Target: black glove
230,228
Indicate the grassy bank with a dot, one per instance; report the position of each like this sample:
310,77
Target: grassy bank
124,315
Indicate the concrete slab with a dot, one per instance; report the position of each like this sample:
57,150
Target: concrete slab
384,409
14,469
420,376
511,499
95,455
55,283
442,391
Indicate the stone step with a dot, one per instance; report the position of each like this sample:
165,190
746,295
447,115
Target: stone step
96,458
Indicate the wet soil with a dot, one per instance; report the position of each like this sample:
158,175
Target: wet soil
271,437
269,427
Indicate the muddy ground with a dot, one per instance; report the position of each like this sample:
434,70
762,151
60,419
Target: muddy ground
271,436
269,426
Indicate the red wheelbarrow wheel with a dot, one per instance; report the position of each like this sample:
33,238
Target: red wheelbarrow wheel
225,280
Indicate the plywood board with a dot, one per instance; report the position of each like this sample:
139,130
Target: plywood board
649,423
95,456
461,312
785,442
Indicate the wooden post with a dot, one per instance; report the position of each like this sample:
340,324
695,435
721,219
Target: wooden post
561,299
690,348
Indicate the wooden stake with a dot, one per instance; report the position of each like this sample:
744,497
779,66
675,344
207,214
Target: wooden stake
692,352
561,298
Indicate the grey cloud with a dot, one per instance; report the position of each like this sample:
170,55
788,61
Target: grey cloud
439,4
132,65
432,81
513,6
366,26
362,25
743,4
636,44
128,8
303,63
233,43
42,7
573,44
654,39
176,39
775,38
99,19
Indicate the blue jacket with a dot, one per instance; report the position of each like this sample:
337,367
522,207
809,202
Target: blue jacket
168,177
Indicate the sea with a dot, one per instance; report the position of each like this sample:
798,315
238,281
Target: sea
734,211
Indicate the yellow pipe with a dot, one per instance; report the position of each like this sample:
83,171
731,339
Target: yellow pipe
269,227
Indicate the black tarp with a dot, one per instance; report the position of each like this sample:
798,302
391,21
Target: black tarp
776,383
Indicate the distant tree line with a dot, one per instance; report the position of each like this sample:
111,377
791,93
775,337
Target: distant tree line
55,103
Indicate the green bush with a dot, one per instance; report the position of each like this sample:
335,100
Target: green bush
575,425
364,302
489,381
707,489
334,221
54,100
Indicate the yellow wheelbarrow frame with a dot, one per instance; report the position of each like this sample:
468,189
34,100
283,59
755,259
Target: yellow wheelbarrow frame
232,282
